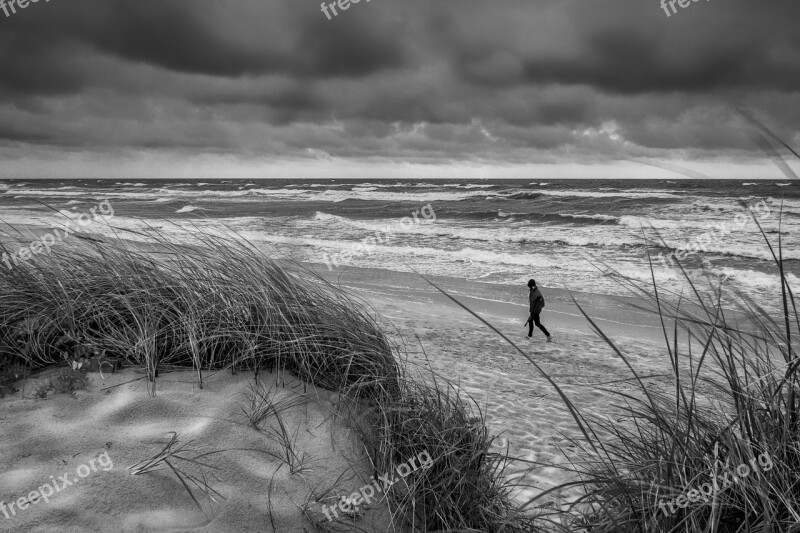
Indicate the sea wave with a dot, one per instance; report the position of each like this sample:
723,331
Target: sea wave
327,217
455,231
700,224
602,218
299,193
754,280
618,194
744,242
335,193
516,194
188,209
389,196
523,195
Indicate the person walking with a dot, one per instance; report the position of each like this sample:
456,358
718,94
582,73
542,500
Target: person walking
537,304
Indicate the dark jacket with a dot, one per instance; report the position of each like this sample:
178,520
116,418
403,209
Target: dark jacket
537,300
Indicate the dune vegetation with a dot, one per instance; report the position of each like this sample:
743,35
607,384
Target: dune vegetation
223,304
717,450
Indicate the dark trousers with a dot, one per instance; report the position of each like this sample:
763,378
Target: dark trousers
534,320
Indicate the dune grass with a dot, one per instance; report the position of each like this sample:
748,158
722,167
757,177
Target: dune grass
465,488
734,402
222,303
219,303
175,457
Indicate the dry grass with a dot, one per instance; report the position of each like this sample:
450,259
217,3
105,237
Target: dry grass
223,304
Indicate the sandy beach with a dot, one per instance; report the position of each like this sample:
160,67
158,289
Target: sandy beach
520,404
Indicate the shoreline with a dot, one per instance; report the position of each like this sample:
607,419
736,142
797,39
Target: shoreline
498,301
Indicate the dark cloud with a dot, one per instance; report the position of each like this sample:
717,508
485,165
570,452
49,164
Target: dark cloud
632,47
415,80
41,42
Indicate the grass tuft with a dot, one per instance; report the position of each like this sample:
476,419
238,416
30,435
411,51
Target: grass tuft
176,457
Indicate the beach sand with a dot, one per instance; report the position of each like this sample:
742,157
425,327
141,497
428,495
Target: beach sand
521,406
45,437
116,423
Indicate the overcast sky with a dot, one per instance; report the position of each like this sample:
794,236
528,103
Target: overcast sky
402,88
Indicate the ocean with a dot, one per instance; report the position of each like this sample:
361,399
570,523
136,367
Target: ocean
564,233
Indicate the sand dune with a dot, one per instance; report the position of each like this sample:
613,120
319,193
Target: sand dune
58,435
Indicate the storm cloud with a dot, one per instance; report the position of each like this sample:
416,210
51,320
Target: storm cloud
118,82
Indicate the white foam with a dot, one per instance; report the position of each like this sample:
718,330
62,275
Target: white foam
389,196
590,217
756,281
619,194
327,217
188,209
